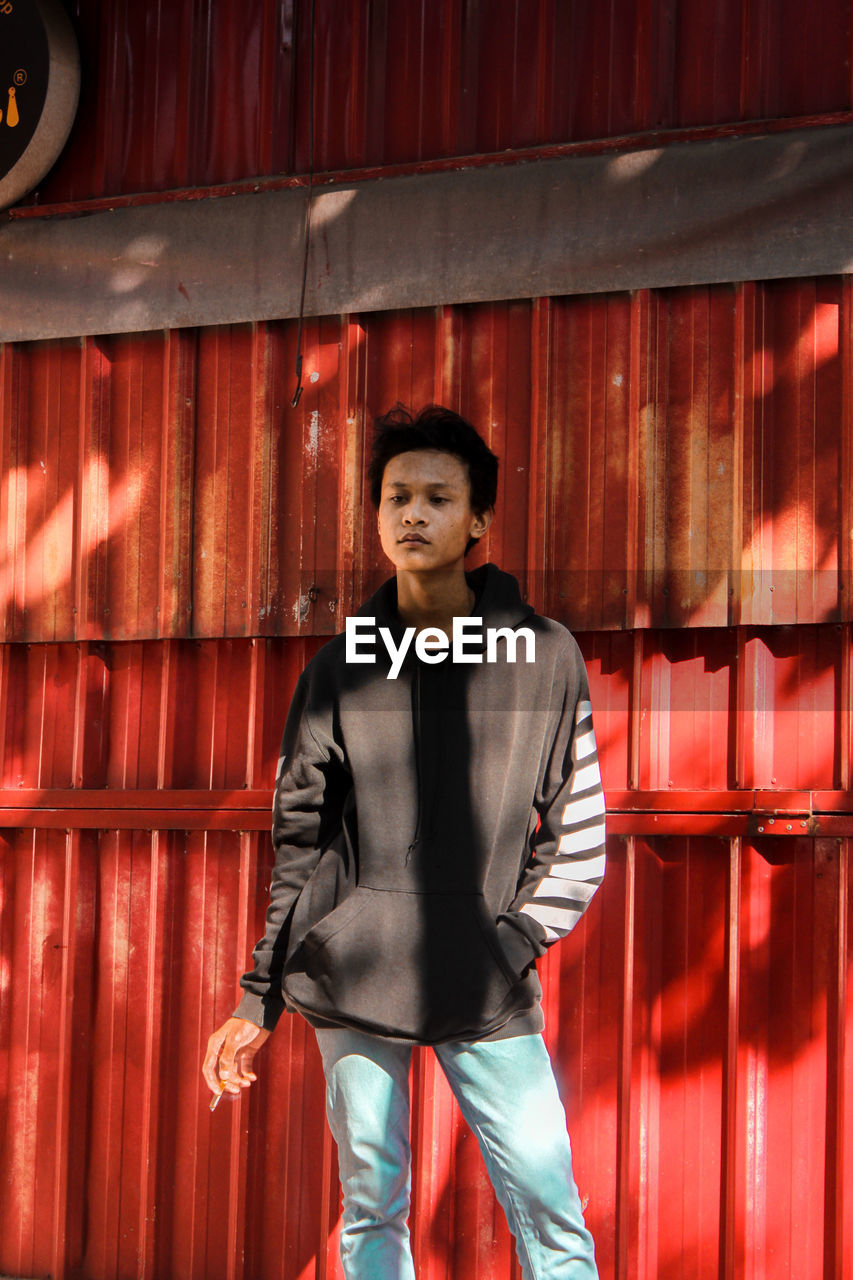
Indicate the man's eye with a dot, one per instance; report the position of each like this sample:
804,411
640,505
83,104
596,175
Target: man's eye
437,501
397,498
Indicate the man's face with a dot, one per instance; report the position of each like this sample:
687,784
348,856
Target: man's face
425,515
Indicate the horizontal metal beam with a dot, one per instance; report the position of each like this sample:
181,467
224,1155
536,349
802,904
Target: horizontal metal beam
161,799
689,813
108,810
135,819
642,141
688,213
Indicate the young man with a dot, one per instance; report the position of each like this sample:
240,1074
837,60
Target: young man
439,822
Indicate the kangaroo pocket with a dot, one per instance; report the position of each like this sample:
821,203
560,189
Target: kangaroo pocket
419,966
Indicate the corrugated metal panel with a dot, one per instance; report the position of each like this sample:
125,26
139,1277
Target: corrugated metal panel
702,477
176,541
671,458
168,715
178,94
717,710
703,711
697,1017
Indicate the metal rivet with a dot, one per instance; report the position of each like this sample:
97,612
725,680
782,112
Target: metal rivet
760,828
788,828
772,820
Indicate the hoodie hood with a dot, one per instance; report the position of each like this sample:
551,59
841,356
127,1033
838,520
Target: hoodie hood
497,600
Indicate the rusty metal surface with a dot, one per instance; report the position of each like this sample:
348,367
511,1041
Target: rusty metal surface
675,458
697,1017
707,480
749,208
179,94
676,485
665,813
713,720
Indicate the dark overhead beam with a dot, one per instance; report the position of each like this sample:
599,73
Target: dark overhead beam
702,212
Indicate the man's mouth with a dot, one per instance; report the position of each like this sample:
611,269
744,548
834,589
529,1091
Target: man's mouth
413,537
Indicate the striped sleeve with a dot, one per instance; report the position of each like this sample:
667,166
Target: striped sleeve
567,860
576,869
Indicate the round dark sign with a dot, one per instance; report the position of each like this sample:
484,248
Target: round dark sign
39,88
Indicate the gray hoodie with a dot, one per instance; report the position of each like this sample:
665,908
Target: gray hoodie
434,833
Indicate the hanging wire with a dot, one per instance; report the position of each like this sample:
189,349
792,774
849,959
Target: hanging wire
307,237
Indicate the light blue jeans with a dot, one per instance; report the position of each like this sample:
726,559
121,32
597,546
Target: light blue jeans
508,1095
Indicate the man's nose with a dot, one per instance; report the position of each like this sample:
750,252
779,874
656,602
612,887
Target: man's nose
414,513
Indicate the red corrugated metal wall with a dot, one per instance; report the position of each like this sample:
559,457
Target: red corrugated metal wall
699,1013
177,94
176,541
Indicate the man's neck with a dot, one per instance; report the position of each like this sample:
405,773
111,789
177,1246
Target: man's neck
433,599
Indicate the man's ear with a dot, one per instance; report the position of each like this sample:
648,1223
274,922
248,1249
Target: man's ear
481,522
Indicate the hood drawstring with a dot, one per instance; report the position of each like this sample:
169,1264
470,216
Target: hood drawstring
416,716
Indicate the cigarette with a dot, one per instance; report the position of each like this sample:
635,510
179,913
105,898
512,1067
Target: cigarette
217,1098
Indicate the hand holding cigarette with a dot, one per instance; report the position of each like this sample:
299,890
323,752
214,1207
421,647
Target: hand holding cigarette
228,1061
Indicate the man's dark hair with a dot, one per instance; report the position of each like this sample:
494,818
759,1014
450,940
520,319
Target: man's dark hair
434,427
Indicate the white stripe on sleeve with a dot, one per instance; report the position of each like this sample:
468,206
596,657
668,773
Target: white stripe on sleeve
556,921
580,810
580,868
583,746
556,887
585,777
580,841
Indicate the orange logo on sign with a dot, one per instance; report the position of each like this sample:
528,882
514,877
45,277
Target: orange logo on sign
12,114
12,117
